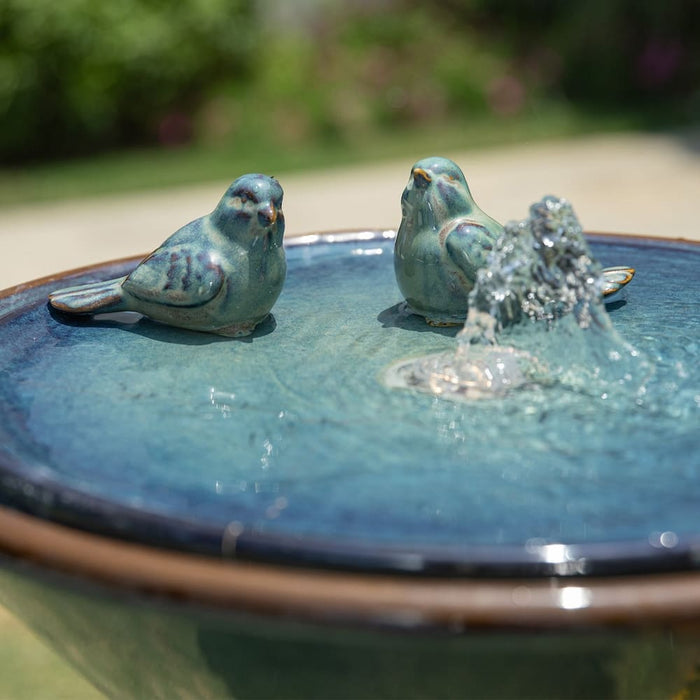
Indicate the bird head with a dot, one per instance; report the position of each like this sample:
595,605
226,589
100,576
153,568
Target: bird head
251,210
436,191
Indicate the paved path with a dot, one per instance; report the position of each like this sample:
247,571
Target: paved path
623,183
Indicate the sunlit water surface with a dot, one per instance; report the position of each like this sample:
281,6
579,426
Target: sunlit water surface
295,432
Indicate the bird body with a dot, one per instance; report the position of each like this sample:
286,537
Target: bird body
443,240
221,273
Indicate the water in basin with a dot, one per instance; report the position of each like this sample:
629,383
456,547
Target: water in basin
292,432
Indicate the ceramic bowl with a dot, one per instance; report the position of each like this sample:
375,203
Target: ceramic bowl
185,516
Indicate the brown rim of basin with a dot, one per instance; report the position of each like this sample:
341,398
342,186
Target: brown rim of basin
301,239
671,600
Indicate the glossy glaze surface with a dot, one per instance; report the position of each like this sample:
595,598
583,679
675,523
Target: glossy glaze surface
221,273
443,240
193,652
126,426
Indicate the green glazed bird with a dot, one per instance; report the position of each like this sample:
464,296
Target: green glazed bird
220,273
443,240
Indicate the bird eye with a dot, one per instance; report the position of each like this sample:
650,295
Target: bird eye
246,196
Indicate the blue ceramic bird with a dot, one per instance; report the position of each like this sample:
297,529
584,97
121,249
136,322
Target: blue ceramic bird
221,273
443,239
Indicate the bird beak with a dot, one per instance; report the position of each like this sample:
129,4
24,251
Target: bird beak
267,215
420,176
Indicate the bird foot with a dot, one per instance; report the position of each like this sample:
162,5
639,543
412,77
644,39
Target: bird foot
442,323
237,330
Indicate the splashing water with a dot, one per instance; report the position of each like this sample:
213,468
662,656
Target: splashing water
536,318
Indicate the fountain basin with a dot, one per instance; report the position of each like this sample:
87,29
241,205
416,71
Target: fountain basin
364,528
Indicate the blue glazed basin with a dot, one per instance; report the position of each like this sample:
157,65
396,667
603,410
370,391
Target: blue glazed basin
240,503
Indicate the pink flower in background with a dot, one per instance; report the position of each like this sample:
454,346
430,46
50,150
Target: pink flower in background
506,95
174,129
658,62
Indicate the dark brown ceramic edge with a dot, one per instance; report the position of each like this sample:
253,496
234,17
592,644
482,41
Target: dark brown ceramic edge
23,286
643,237
297,239
668,600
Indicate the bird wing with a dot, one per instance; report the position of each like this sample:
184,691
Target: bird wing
468,245
176,275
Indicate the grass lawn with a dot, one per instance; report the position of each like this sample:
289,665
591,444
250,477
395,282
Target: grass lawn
29,670
157,168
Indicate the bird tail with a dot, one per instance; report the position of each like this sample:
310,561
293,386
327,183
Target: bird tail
615,278
91,298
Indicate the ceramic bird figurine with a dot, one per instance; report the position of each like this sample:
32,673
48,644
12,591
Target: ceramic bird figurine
443,239
220,273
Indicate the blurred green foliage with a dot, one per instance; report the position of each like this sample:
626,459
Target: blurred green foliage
80,75
83,75
358,72
619,53
367,67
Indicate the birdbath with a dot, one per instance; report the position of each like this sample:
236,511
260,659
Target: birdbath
190,514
